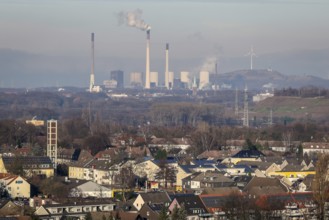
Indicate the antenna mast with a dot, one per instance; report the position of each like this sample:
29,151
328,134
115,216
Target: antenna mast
236,102
245,110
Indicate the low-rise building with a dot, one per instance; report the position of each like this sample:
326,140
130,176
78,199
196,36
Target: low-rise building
31,165
16,186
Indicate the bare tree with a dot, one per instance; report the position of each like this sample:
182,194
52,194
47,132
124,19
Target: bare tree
321,183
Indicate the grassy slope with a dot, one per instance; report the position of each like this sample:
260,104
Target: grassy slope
316,108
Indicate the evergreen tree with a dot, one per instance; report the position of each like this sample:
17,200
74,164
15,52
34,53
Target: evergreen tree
88,216
182,215
174,214
179,213
164,214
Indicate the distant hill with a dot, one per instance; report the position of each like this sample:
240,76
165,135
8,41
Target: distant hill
262,79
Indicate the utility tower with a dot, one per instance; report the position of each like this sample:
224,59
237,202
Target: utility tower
52,140
245,109
270,121
236,102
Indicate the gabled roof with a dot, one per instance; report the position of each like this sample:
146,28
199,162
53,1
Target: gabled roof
210,177
220,190
263,182
191,203
256,164
203,162
155,197
29,161
108,153
292,168
91,186
276,159
188,168
248,154
98,164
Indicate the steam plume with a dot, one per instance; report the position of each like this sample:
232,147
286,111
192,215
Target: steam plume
133,19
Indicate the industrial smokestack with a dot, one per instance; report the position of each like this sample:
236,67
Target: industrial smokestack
167,67
92,73
147,71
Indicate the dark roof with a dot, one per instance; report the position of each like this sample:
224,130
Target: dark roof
256,164
28,161
220,190
187,168
191,203
260,182
202,162
155,197
281,199
246,168
215,201
248,154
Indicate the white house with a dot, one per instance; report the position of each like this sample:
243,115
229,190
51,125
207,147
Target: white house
16,186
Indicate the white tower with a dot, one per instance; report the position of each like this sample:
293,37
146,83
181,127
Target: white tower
52,140
147,71
167,67
92,74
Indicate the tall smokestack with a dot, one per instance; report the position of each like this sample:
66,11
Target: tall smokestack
92,74
167,67
147,72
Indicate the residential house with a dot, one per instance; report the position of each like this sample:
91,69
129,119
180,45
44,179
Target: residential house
99,171
67,156
216,204
16,186
238,170
235,145
151,211
198,166
146,169
151,198
91,189
137,152
38,201
264,167
244,155
108,154
220,190
167,144
294,172
258,186
9,209
192,204
31,165
313,148
72,210
208,179
216,154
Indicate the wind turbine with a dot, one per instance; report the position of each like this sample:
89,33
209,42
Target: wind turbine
252,54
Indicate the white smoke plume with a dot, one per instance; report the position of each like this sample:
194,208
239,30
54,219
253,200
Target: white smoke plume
133,19
209,64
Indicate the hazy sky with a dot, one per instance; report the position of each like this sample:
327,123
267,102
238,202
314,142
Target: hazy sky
195,29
